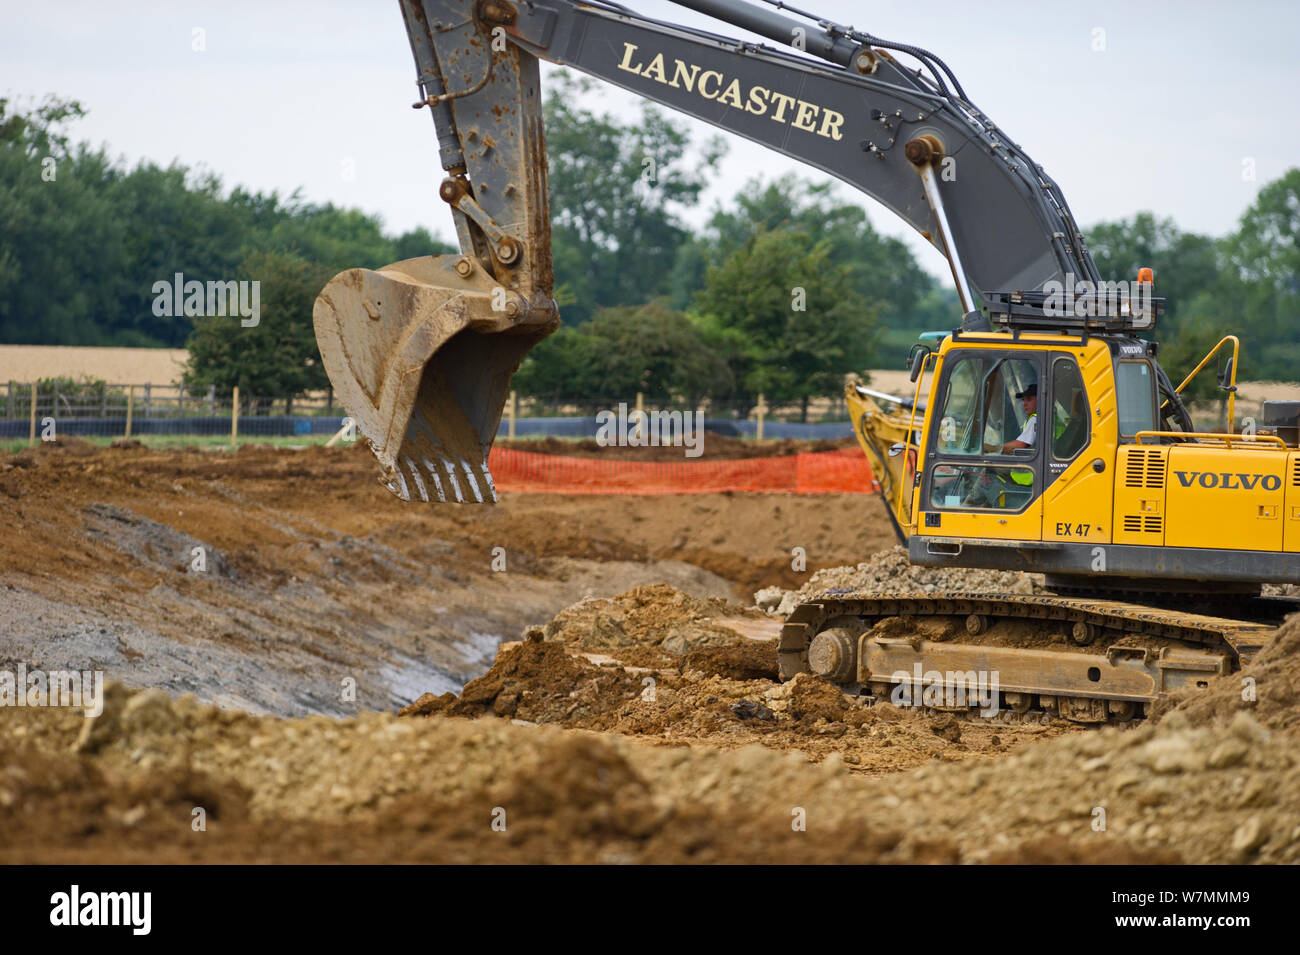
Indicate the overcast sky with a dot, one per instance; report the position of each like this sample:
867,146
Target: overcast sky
291,94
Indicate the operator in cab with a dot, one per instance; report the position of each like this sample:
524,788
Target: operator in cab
1029,436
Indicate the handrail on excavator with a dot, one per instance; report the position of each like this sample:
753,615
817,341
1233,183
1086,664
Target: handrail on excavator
911,432
1232,382
1225,438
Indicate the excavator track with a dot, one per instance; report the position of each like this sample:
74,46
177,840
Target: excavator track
1082,659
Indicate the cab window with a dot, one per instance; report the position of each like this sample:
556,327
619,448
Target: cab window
981,486
982,410
987,434
1135,390
1069,410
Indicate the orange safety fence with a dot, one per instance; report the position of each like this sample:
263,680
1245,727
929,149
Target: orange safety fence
822,472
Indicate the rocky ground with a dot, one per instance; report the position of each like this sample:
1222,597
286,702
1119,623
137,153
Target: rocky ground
646,726
583,765
266,578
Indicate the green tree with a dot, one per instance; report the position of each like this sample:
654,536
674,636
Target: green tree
881,269
83,239
654,350
1247,284
334,237
789,321
278,356
39,131
648,349
616,191
559,368
418,242
1259,297
1185,264
174,221
61,242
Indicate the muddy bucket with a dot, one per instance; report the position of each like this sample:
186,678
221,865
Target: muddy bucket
420,354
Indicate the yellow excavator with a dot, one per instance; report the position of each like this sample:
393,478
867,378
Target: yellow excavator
1067,454
1049,439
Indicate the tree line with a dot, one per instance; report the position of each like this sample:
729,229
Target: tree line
785,288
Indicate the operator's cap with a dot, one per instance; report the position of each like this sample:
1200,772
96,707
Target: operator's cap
1030,392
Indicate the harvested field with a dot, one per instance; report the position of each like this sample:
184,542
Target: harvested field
25,363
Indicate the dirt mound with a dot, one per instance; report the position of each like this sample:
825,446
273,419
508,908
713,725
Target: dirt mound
593,797
716,447
1209,794
537,682
890,571
657,616
812,699
551,677
171,781
654,663
1268,688
1063,852
378,788
701,754
213,572
53,805
748,661
60,448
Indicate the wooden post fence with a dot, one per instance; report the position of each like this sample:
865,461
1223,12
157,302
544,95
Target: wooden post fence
234,417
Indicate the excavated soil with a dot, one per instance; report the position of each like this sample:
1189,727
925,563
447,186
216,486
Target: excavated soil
134,784
889,571
624,718
315,584
660,665
1268,690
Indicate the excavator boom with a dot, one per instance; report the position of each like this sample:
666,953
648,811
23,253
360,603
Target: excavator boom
421,352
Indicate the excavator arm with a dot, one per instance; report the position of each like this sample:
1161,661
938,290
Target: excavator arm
854,112
421,352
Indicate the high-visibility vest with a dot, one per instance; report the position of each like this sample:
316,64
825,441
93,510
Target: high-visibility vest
1024,476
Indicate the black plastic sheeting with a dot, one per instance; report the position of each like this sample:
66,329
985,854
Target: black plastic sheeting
286,427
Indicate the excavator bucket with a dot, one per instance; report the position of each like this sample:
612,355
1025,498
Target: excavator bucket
887,431
422,361
421,352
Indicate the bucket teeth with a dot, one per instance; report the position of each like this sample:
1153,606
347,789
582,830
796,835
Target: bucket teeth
422,362
442,479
